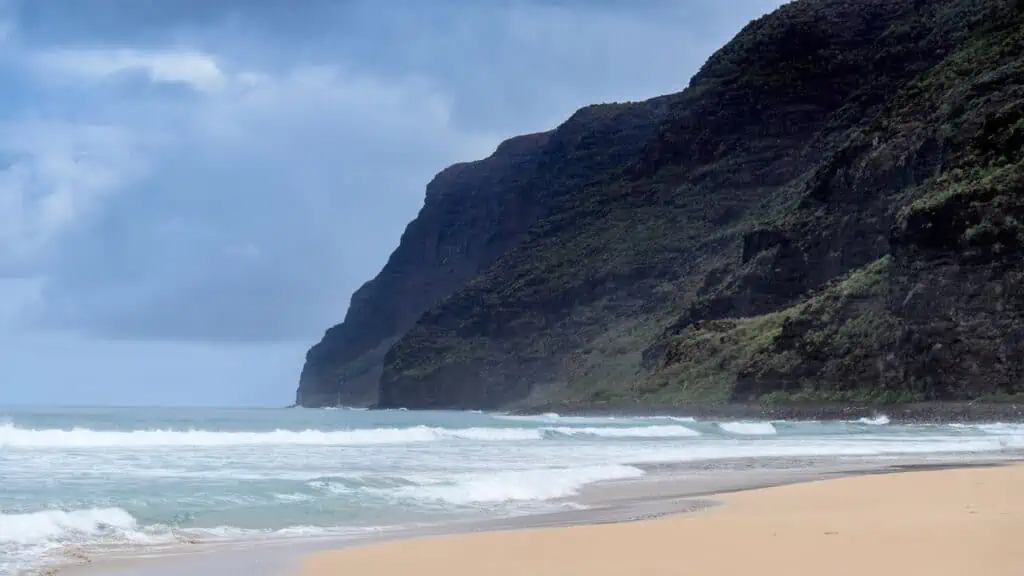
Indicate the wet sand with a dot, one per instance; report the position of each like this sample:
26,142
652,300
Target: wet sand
964,521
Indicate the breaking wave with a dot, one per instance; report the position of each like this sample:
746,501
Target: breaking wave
36,538
879,420
632,432
749,428
15,437
555,418
58,525
519,485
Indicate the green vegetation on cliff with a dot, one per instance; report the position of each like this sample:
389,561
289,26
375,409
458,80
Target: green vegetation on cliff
831,211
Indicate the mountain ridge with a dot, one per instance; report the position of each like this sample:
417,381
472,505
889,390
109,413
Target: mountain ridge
828,212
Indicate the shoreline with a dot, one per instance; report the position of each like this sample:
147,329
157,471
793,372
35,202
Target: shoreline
667,490
942,519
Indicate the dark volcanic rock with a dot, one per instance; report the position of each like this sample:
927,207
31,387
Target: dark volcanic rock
470,216
831,212
473,213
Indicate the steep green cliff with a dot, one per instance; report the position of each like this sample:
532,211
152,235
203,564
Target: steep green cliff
831,211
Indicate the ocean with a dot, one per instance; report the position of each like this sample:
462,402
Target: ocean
87,482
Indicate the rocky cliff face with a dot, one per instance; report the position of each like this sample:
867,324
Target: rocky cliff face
831,211
471,214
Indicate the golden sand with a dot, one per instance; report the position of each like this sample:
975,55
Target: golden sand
964,522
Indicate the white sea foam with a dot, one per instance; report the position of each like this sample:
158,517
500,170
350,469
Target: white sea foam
864,446
229,533
519,485
749,428
553,418
30,539
15,437
25,539
631,432
329,486
55,525
1001,428
495,434
878,420
294,497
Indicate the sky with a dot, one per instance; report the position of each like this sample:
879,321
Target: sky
191,190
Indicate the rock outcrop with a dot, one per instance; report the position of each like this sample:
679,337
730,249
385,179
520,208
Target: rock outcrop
833,210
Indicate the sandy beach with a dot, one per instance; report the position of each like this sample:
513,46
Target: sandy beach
967,521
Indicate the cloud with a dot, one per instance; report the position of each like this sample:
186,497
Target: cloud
187,67
232,171
51,175
265,195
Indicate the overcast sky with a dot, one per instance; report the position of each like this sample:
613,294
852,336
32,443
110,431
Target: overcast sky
190,190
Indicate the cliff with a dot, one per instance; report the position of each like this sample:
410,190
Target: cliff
831,211
471,215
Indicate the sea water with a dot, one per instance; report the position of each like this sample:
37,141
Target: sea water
91,481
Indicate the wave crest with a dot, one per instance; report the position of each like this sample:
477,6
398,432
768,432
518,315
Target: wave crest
15,437
749,428
632,432
519,485
878,420
56,525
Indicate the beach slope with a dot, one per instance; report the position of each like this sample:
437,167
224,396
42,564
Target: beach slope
966,521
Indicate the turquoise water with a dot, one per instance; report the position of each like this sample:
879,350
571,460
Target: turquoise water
104,479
